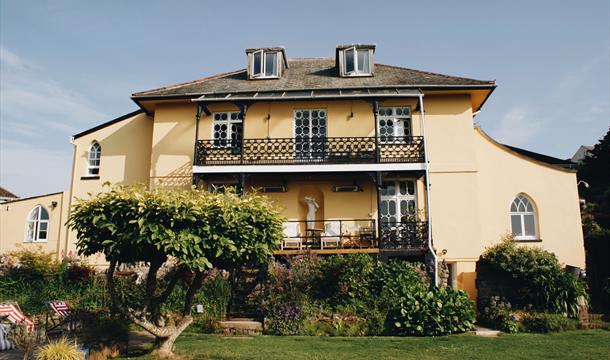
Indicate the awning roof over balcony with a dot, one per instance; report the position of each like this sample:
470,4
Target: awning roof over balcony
384,92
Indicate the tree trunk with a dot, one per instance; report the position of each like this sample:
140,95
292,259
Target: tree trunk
165,346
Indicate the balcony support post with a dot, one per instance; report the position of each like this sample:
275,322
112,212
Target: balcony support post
427,169
378,183
375,105
197,118
243,107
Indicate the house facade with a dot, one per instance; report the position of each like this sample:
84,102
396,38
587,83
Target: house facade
362,158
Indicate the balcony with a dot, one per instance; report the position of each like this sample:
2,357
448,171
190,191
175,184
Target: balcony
322,150
353,236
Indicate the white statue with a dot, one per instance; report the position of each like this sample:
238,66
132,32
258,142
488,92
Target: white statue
312,207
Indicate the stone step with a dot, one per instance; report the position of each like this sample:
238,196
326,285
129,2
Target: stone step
243,326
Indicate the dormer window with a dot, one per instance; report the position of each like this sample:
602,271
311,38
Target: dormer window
355,60
265,63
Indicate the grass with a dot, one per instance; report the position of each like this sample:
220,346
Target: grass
583,344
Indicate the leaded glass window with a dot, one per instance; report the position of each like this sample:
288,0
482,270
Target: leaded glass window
309,133
228,129
398,201
394,124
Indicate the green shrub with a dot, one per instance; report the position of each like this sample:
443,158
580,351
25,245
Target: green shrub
498,314
205,324
431,313
283,304
393,280
544,323
345,279
33,263
534,278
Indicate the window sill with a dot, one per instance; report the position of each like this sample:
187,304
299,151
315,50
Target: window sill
527,240
90,177
36,242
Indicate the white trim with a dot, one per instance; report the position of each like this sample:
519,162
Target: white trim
219,169
522,214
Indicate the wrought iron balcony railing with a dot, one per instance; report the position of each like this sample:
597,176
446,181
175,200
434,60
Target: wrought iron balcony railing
322,150
404,235
354,234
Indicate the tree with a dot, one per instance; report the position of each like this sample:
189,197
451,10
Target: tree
191,231
595,171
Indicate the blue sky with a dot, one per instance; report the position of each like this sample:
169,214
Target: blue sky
66,66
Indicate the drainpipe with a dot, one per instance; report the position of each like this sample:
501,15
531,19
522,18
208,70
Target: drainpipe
427,168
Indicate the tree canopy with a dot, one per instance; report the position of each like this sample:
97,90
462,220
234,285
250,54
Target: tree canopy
190,230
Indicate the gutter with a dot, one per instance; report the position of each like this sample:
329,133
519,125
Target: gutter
427,169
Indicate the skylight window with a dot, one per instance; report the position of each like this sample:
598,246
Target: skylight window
357,62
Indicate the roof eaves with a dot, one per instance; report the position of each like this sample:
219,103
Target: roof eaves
108,123
32,197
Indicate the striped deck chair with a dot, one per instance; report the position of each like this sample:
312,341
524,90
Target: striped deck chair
58,313
5,344
13,313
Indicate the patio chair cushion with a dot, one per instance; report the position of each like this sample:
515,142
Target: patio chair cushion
5,344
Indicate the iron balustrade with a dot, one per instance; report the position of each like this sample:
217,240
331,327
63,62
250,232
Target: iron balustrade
324,150
354,234
411,235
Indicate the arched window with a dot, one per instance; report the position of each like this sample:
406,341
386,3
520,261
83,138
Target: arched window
523,218
37,224
93,159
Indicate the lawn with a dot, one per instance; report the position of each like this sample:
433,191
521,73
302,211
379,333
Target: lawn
586,344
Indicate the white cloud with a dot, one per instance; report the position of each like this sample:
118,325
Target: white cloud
517,127
37,116
29,95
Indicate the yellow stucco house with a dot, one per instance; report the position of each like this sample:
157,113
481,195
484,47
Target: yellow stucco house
363,157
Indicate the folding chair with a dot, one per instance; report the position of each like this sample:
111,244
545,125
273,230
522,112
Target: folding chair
58,314
14,314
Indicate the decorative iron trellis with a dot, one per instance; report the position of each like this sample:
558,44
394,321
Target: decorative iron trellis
327,150
404,235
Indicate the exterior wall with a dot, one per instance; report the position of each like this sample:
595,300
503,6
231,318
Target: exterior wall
13,217
125,160
504,174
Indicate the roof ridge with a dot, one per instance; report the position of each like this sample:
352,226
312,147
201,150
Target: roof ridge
176,85
434,73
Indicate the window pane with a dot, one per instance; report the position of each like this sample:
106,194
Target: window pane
257,63
31,230
44,215
515,222
411,187
349,60
363,61
271,64
34,213
529,224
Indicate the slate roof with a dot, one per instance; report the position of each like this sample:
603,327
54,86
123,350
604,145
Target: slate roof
312,74
7,194
541,157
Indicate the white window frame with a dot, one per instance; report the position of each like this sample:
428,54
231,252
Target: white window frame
398,131
37,223
356,72
94,155
228,122
522,215
398,197
263,73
